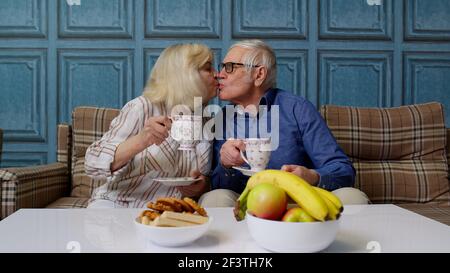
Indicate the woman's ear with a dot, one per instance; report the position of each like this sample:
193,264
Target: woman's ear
260,75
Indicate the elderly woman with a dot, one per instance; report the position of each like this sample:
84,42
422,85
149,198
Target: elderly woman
138,148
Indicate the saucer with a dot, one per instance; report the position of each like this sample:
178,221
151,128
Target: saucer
176,181
245,171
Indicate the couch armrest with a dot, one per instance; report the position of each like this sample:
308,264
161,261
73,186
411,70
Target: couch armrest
32,187
64,144
1,144
448,151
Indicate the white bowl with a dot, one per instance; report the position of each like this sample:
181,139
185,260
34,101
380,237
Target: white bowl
171,236
281,236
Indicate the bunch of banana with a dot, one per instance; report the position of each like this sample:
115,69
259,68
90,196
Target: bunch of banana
319,203
333,203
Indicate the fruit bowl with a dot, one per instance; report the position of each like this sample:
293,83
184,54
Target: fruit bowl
171,236
279,236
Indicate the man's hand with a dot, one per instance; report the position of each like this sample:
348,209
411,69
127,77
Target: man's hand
309,175
230,153
196,189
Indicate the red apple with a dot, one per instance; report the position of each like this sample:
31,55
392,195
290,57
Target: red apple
267,201
297,215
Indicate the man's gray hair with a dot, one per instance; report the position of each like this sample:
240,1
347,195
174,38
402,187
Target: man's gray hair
260,54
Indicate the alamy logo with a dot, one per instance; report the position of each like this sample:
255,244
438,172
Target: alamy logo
73,2
374,247
74,247
374,2
229,122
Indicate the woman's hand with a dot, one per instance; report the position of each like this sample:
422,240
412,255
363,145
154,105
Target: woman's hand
309,175
155,131
196,189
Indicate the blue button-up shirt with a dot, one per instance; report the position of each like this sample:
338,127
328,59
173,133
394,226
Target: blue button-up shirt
300,136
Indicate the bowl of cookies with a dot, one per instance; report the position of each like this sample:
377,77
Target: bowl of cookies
172,222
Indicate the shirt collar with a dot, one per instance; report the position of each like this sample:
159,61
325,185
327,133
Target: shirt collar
268,98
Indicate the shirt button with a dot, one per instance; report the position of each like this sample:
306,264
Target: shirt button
240,111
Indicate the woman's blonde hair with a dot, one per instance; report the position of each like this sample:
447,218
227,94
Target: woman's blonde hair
175,77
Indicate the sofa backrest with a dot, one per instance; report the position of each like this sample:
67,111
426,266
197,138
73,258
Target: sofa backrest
88,125
1,145
448,151
399,153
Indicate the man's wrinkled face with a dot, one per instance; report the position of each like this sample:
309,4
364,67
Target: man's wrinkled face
237,85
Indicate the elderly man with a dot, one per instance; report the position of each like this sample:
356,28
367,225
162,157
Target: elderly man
305,145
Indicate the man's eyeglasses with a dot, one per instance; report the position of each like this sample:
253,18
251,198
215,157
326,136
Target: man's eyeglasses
229,67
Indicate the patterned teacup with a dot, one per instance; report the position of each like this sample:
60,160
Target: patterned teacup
258,153
187,130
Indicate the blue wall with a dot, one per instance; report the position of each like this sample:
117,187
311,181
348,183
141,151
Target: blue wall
54,57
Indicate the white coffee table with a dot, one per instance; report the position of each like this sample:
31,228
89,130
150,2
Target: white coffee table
370,228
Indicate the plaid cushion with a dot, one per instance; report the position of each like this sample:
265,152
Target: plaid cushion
448,151
399,153
89,125
32,187
83,185
1,145
64,143
437,213
69,203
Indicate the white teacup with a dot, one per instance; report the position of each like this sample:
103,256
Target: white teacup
187,130
258,153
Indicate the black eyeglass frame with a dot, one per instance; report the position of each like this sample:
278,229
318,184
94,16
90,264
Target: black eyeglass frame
229,66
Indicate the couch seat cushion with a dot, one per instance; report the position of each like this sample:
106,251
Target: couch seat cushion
437,213
83,185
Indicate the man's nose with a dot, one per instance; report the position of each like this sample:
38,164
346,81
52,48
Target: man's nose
218,75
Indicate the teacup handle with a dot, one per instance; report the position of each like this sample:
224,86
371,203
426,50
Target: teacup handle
244,158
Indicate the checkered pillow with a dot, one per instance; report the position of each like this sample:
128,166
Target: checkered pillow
448,151
63,152
399,153
89,125
1,144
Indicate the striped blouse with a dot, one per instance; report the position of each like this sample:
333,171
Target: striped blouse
133,185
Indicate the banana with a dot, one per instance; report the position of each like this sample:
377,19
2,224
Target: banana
333,198
333,212
240,206
297,189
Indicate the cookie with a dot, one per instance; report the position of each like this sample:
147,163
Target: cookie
169,201
159,207
195,206
185,206
151,214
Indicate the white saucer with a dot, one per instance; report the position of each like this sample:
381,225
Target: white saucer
176,181
245,171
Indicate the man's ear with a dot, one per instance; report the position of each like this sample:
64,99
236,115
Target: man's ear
260,75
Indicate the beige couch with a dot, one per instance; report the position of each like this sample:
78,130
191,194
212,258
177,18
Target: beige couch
64,184
1,145
400,154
